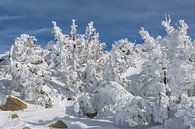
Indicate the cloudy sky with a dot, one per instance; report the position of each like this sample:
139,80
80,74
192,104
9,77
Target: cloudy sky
114,19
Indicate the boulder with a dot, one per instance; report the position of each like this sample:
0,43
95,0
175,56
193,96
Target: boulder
26,127
91,115
14,116
13,104
58,124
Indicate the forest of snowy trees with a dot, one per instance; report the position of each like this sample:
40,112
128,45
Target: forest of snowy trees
77,67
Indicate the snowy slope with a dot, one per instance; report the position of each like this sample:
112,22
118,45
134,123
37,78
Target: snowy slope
39,118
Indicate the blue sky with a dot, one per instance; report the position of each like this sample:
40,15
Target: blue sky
114,19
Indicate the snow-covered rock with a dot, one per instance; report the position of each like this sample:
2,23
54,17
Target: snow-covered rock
112,96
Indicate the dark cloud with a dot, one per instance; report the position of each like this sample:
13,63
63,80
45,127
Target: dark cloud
114,19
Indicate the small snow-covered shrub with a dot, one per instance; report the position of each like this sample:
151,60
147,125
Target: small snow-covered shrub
186,110
136,113
86,105
110,97
141,111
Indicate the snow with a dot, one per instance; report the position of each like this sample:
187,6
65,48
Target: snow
39,118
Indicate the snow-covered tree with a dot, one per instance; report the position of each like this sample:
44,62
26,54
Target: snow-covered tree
124,55
29,70
77,60
153,83
177,47
92,55
122,52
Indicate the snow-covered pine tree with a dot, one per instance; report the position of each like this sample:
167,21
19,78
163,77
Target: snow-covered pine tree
153,85
92,58
92,54
63,58
177,50
29,71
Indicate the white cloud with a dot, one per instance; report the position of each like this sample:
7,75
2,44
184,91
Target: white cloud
39,31
2,18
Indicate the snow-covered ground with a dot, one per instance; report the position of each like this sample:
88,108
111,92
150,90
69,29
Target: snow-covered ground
39,118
